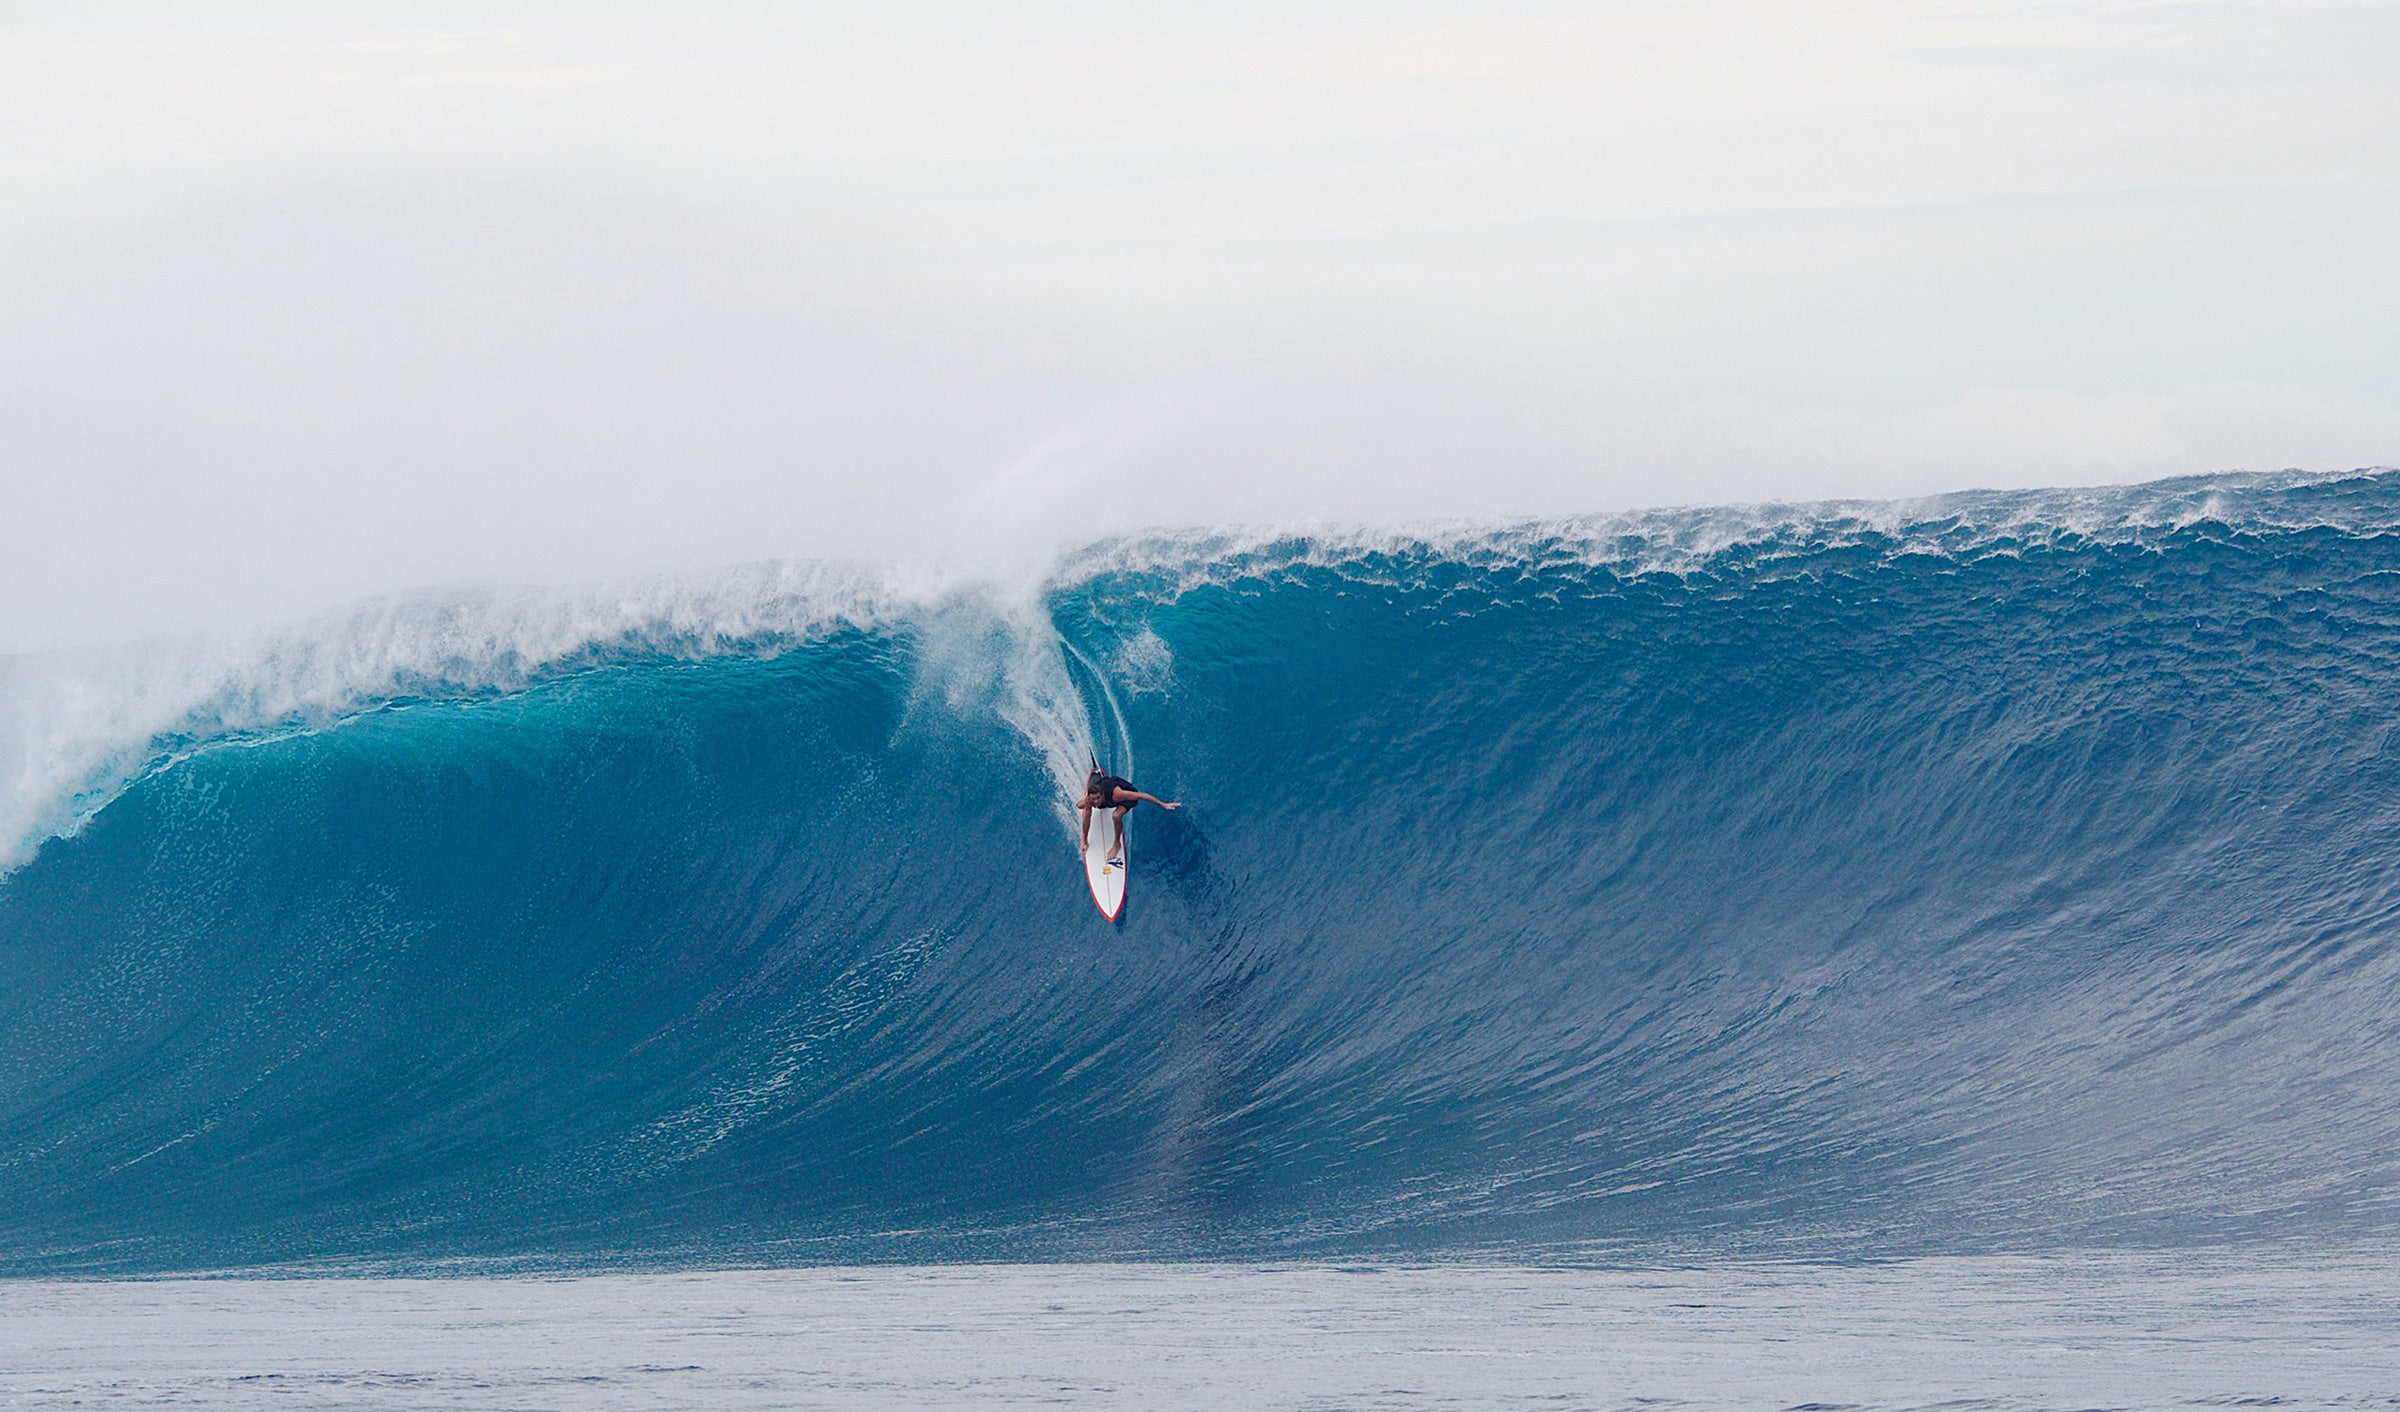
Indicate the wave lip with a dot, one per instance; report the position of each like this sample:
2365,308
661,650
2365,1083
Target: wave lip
75,726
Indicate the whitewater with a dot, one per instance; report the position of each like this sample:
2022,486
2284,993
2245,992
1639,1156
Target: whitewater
1993,890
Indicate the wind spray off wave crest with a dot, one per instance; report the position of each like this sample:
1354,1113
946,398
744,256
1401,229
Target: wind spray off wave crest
77,725
1000,654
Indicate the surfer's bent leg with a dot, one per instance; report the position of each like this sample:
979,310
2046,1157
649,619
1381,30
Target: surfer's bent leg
1116,847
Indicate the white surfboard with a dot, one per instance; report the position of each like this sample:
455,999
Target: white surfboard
1107,878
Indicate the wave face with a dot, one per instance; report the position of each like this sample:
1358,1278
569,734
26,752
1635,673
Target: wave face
1994,872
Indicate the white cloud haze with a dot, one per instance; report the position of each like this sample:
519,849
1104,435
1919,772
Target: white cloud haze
300,303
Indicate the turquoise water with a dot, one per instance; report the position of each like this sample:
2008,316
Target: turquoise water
2003,874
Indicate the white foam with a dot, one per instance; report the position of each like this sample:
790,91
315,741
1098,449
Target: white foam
75,726
1695,539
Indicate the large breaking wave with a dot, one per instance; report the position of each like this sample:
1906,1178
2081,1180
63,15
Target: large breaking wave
1998,871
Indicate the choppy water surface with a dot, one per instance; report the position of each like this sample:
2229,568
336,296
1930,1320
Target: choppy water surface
2195,1329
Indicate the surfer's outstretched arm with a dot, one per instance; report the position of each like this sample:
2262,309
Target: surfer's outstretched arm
1152,799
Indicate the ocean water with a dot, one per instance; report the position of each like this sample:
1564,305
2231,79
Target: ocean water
2001,877
2196,1330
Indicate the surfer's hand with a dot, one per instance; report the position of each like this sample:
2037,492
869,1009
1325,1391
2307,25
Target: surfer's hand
1170,804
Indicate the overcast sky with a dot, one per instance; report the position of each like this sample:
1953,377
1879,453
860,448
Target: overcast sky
300,302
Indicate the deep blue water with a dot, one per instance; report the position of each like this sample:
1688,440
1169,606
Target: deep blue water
2004,872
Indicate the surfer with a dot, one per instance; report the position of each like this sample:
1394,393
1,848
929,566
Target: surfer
1103,790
